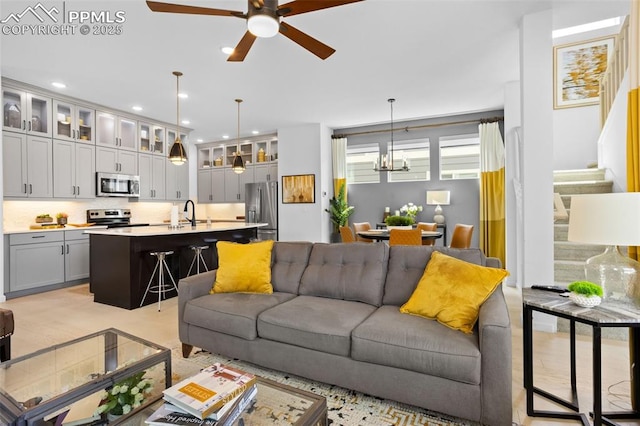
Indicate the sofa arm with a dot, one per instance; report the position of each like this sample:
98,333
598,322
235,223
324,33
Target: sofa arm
190,288
494,328
493,262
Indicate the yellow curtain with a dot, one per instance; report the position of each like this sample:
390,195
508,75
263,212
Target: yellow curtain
633,109
492,216
339,158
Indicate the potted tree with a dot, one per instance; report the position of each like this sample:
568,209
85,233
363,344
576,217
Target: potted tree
339,212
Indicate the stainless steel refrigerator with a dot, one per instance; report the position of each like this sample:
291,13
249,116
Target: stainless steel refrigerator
261,206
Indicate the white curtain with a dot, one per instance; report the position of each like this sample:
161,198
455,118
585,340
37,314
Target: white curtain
339,159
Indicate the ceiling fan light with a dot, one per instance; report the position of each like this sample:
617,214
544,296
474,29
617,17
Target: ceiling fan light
263,26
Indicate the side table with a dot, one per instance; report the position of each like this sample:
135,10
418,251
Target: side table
608,314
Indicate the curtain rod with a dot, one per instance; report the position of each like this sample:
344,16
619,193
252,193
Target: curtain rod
422,126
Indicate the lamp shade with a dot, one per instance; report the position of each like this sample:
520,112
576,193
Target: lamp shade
607,219
438,198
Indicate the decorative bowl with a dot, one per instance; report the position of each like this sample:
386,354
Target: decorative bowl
585,301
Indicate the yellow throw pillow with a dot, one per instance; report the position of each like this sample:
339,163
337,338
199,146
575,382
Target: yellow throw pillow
452,291
243,268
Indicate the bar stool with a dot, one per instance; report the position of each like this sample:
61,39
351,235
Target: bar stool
197,258
161,288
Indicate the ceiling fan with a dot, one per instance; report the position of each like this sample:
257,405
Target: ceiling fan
263,20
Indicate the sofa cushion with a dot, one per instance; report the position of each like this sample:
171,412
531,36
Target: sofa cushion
231,313
314,322
452,290
391,338
346,271
244,267
289,260
407,265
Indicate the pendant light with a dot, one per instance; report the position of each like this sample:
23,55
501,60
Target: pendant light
177,154
238,164
385,164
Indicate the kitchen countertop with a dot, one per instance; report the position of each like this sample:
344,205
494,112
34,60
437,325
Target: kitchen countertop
149,231
102,227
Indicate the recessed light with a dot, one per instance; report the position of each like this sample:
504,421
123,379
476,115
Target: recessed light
185,122
225,136
200,140
183,95
58,84
227,50
255,132
136,108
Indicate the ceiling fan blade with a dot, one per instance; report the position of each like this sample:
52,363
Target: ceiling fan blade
193,10
314,46
241,50
298,7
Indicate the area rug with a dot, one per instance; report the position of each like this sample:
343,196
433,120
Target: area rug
345,407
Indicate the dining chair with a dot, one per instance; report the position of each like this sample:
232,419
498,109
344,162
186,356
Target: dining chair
428,226
361,226
347,235
461,237
405,237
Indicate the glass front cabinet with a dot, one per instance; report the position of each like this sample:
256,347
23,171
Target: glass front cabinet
73,122
119,132
25,112
152,138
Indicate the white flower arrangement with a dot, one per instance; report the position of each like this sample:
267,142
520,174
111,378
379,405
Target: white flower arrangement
125,395
411,210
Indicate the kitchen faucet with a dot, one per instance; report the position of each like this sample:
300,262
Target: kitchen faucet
193,212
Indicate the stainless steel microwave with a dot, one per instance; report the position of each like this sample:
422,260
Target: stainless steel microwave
115,185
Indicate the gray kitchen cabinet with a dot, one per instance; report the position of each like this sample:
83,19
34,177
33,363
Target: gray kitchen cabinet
152,177
116,131
113,160
27,166
74,168
35,260
73,122
265,172
26,112
211,186
177,181
234,184
76,255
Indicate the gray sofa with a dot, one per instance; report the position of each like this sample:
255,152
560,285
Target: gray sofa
333,317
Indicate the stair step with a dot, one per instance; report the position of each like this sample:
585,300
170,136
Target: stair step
560,231
565,250
583,187
578,175
568,271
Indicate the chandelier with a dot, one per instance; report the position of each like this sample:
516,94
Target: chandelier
385,163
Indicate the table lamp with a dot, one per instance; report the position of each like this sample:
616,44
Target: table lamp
612,220
438,198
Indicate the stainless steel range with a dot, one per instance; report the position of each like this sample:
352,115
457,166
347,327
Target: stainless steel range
112,218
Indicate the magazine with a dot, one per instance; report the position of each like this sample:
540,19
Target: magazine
210,389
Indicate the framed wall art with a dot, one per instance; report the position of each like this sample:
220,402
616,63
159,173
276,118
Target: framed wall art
298,189
577,69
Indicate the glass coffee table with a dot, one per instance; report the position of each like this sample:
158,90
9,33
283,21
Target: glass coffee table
59,378
275,403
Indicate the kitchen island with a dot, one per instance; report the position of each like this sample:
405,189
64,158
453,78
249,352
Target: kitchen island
121,264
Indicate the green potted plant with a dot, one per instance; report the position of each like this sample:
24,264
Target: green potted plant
61,218
339,212
401,222
585,293
125,396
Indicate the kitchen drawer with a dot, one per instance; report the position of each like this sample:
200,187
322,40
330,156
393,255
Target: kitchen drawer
35,238
76,234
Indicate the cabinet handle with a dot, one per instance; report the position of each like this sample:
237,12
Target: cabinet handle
67,248
37,236
74,190
29,125
30,189
25,188
78,192
62,251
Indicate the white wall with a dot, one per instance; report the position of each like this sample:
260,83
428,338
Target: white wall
537,137
612,145
513,180
305,150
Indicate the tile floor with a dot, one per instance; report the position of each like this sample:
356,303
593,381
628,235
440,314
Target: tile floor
60,315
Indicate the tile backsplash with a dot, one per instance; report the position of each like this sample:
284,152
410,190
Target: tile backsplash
19,215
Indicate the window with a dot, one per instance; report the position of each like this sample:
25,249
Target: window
360,161
416,155
460,157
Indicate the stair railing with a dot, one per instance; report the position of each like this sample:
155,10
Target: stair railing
616,68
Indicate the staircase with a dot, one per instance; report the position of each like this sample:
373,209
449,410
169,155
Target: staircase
569,257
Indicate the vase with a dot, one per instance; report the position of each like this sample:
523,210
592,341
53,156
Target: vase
390,227
113,417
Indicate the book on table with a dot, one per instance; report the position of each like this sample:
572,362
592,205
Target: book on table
210,389
169,414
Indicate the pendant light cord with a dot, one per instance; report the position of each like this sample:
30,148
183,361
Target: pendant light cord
238,139
177,74
391,101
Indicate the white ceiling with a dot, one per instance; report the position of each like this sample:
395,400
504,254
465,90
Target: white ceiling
436,57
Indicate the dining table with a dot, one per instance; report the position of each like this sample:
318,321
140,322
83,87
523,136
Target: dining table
383,234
